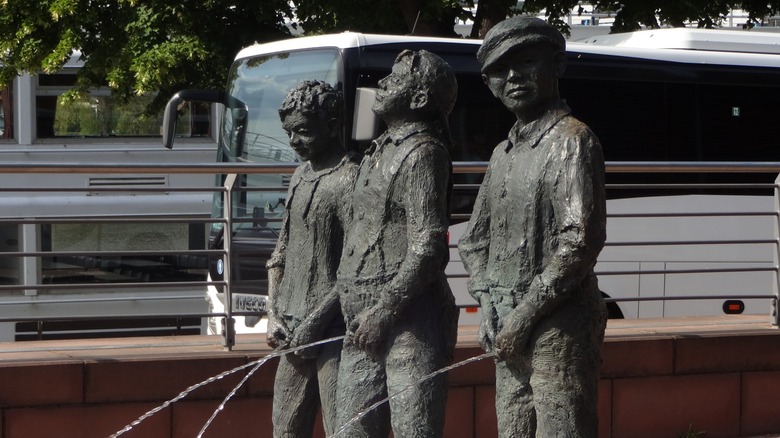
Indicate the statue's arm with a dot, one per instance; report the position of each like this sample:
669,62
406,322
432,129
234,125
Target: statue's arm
579,201
277,333
474,248
423,183
474,245
328,307
313,327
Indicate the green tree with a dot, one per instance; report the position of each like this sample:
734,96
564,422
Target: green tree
633,15
489,13
142,46
421,17
436,17
135,46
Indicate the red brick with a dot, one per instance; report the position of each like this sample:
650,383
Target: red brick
159,380
485,420
635,358
666,406
727,353
41,384
86,422
605,408
319,429
459,419
760,412
248,418
482,372
262,382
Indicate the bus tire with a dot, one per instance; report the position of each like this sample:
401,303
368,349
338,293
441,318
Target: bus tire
613,310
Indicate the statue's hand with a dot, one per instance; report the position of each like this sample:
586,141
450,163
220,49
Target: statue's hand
487,334
370,328
277,335
512,338
307,332
487,328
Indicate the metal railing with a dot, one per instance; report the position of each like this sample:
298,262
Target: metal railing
770,237
29,289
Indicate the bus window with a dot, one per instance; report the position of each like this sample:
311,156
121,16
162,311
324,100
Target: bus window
99,114
9,242
173,238
734,121
260,84
6,113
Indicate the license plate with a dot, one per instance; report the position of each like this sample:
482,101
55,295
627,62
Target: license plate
249,303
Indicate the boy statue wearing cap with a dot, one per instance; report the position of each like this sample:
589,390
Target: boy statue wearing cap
538,225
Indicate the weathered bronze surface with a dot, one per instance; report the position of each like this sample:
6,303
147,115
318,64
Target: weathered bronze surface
302,269
538,225
400,312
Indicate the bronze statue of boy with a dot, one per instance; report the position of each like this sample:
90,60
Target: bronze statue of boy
538,225
302,269
400,312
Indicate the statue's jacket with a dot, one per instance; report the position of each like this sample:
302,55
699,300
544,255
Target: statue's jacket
396,249
539,221
311,239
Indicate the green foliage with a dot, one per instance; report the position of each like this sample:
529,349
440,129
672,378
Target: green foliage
555,12
135,46
138,47
379,16
633,15
491,12
84,115
424,17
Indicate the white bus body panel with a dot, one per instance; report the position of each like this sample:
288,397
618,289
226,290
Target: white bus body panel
667,256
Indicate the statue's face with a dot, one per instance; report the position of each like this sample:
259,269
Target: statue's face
526,79
309,134
395,90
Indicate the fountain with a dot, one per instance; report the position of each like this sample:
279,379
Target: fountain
260,362
257,364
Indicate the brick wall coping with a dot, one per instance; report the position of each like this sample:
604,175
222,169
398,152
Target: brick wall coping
253,345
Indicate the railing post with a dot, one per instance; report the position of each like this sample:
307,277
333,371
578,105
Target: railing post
228,328
775,318
29,238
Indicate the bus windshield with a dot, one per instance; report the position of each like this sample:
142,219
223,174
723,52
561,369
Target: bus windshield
252,132
261,83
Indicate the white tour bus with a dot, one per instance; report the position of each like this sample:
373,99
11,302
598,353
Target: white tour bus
42,125
673,95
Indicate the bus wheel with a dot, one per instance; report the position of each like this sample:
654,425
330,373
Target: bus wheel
613,310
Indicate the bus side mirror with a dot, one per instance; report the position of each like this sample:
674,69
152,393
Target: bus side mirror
365,124
239,116
169,120
171,113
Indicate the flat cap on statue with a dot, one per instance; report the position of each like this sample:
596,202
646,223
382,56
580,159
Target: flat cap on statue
514,33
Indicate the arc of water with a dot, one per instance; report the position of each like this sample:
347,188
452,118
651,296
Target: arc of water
259,363
228,397
256,364
365,412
